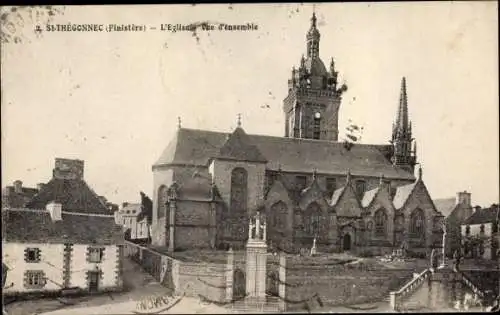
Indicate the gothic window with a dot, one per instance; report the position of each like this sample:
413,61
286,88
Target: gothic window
467,230
162,201
301,182
278,216
417,224
239,179
317,126
312,217
380,223
360,188
331,185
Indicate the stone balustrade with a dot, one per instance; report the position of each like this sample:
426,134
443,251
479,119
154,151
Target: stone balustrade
471,285
397,296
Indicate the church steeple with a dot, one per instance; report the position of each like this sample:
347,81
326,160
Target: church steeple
402,139
313,37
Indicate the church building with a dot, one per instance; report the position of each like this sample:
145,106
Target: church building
308,185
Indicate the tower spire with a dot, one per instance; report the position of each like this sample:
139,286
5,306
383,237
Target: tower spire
401,125
401,133
313,39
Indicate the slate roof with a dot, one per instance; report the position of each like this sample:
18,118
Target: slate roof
74,195
368,197
402,194
36,226
482,216
336,195
196,147
239,147
10,198
445,205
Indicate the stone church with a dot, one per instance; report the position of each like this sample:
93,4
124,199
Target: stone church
308,185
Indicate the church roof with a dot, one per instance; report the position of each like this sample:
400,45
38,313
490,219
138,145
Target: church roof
336,195
240,147
196,147
73,194
368,197
402,194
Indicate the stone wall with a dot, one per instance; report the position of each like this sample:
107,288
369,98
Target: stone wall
339,284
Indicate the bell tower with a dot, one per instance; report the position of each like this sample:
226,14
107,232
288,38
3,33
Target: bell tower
312,105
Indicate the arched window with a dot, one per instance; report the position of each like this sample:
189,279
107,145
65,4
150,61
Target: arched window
239,191
417,224
162,201
467,230
277,216
312,217
481,229
380,219
360,188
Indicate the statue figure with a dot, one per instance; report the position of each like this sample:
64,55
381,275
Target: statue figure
313,249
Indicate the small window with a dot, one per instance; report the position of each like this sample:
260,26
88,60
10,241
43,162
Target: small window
467,230
34,279
95,254
481,229
32,255
331,184
301,182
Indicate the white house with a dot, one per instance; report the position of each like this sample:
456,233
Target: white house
63,238
51,250
132,217
480,231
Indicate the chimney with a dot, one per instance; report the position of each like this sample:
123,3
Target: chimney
40,186
68,169
464,198
18,186
55,210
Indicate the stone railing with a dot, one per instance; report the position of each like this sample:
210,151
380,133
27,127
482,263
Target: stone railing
467,281
397,296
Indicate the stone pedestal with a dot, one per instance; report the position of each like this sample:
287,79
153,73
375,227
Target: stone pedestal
256,260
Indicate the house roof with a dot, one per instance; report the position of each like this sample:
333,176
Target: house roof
11,198
73,194
482,216
196,147
131,209
36,226
445,205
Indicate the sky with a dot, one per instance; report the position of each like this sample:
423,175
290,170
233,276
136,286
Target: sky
113,99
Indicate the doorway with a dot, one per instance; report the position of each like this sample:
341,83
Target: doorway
94,281
346,242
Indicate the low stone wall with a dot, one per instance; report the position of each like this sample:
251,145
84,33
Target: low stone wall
339,284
